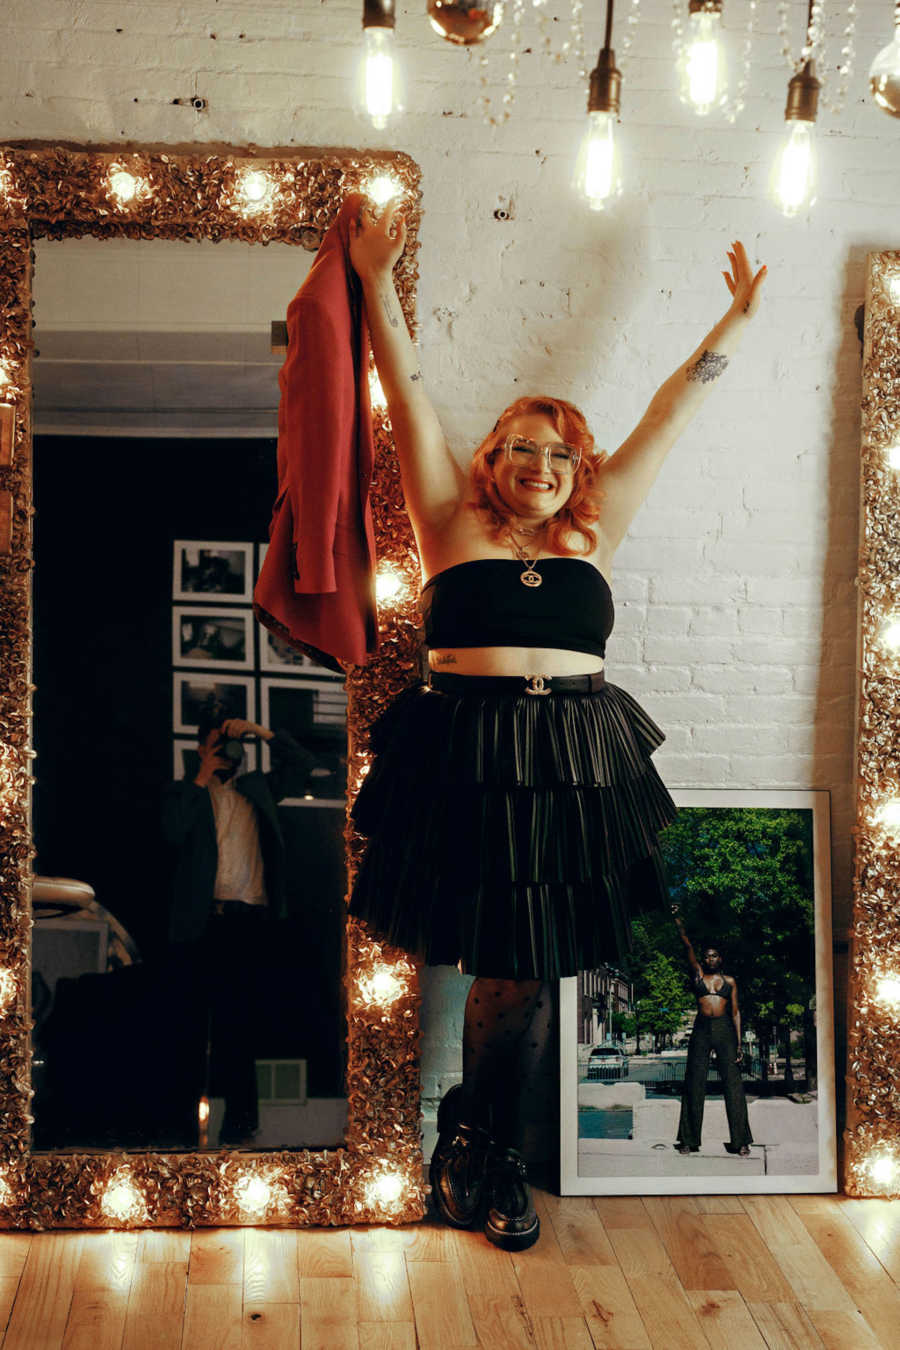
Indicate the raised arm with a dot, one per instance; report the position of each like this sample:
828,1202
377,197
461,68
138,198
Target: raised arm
433,483
630,473
696,969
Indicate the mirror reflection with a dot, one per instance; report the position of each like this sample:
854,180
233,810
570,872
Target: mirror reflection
189,806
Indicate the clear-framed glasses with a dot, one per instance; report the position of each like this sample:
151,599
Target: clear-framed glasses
561,458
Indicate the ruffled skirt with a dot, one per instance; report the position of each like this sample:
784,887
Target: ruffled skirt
515,835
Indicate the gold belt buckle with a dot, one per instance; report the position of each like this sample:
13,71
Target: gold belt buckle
538,684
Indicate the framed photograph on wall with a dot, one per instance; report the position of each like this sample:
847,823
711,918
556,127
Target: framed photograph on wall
186,761
315,714
192,692
279,657
707,1065
209,570
213,637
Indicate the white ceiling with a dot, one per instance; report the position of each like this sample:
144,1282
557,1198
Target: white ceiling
159,337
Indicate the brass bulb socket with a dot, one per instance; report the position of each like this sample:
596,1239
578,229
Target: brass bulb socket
378,14
606,84
803,95
710,6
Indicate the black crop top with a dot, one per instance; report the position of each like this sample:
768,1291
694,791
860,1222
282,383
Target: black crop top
702,989
484,604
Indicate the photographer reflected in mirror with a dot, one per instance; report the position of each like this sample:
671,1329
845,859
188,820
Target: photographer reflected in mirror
229,885
717,1027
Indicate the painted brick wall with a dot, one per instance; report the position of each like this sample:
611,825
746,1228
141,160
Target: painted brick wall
735,590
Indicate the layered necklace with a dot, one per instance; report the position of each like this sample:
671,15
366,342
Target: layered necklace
530,576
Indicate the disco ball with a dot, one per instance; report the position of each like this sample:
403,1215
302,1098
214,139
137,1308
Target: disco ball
465,21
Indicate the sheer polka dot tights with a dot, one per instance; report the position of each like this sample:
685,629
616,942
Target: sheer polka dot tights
507,1023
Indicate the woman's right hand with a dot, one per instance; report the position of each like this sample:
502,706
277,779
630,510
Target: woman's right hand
376,241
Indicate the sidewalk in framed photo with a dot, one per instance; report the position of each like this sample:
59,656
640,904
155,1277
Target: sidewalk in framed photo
315,714
205,569
192,692
650,1057
212,638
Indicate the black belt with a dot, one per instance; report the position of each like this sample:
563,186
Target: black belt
517,684
221,907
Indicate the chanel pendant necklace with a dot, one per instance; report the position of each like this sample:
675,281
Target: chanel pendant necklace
530,576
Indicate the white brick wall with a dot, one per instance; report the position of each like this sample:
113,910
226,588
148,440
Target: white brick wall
745,553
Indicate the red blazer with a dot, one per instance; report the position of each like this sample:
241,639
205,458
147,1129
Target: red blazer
316,587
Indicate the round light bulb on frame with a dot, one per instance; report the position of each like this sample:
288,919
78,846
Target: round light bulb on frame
889,635
389,584
888,815
376,393
8,986
121,1199
385,1191
894,288
381,188
893,456
123,186
882,1169
887,990
252,1193
382,986
6,1193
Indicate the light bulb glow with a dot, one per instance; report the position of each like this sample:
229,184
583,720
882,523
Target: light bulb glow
389,584
385,1190
383,986
123,186
882,1168
8,985
6,1192
253,192
703,71
376,393
887,990
597,169
794,176
888,815
894,288
893,456
203,1111
252,1193
5,377
890,635
121,1199
379,95
382,188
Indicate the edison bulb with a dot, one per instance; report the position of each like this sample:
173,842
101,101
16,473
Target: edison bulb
702,66
379,92
794,174
884,77
123,186
597,175
465,22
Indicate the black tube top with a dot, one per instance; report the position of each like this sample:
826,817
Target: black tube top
484,604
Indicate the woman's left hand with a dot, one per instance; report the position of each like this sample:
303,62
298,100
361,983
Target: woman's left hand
745,288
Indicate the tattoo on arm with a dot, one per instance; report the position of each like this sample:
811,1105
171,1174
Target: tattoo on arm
388,310
448,660
709,367
417,375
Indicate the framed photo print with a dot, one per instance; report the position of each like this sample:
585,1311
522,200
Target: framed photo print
279,657
205,569
315,714
707,1065
191,693
212,637
186,761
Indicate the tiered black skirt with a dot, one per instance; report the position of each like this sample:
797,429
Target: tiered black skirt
513,834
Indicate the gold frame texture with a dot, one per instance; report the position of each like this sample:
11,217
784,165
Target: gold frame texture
57,191
872,1160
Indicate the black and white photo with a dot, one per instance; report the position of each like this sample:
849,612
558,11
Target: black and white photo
192,693
315,714
215,571
208,637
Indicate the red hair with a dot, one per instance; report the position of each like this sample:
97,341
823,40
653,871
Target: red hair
583,505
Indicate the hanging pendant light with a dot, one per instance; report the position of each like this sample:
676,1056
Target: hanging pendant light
464,22
884,75
703,80
794,173
597,174
378,90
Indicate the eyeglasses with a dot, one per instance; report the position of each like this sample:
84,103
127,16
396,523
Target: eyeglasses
561,458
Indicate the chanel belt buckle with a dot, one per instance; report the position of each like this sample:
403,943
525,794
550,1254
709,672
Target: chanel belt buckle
538,684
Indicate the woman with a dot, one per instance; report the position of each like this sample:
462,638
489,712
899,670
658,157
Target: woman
512,810
717,1027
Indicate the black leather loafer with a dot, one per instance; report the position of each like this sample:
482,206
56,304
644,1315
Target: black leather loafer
511,1222
457,1175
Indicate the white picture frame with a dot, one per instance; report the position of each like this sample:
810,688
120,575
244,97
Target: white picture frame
190,687
181,748
212,571
794,1140
329,701
203,638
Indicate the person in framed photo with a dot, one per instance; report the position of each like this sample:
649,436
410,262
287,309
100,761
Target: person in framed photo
512,809
716,1029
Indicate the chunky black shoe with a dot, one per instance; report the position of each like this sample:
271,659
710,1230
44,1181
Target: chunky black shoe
457,1174
511,1221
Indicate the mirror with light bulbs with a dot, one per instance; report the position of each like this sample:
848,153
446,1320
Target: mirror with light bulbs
154,364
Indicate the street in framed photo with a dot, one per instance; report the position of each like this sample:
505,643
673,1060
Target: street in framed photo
212,637
192,693
315,714
204,569
186,760
707,1065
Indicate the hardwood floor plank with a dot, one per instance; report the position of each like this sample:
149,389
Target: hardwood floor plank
387,1336
857,1267
108,1261
719,1204
443,1321
621,1211
812,1279
328,1313
96,1319
162,1332
501,1320
669,1319
691,1240
562,1333
754,1269
579,1231
846,1329
270,1326
609,1308
9,1287
158,1288
640,1251
380,1238
545,1282
164,1244
726,1319
785,1326
46,1286
212,1316
485,1268
14,1249
217,1256
382,1287
878,1224
324,1253
270,1266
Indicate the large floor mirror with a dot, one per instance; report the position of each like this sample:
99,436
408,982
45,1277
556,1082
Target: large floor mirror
276,1038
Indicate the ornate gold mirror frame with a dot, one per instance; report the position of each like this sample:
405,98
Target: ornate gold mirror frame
217,193
873,1099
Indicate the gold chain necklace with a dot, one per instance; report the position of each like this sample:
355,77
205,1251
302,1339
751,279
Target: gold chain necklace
529,577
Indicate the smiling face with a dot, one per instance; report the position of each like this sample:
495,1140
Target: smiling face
533,494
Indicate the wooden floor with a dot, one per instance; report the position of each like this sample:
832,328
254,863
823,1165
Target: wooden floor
733,1274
